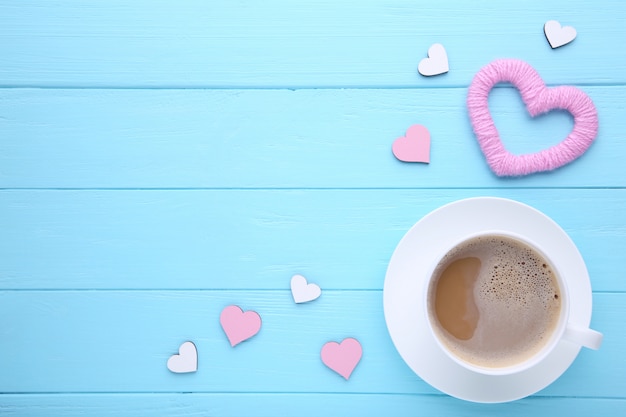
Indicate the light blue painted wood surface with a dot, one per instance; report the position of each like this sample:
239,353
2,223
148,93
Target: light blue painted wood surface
119,341
280,138
281,43
161,160
256,239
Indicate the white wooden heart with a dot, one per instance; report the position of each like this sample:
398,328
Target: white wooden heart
302,291
558,36
436,63
186,360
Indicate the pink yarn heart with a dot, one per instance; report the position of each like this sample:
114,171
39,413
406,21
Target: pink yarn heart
538,99
239,325
342,357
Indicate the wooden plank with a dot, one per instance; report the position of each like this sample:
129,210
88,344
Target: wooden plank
312,43
305,405
272,138
256,239
119,341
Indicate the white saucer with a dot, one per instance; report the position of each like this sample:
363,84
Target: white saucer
406,278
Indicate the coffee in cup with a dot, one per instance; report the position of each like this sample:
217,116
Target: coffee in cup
494,301
468,239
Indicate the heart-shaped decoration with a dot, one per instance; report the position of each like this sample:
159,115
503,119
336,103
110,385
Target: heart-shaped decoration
538,99
239,325
302,291
186,360
558,36
436,63
414,146
342,357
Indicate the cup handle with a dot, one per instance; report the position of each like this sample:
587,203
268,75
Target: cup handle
583,336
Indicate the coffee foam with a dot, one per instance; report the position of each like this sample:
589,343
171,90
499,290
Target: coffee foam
517,297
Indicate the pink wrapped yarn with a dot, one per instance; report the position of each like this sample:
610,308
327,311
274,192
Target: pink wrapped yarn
538,99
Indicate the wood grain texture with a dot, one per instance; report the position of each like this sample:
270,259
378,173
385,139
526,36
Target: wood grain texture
282,138
280,43
256,239
307,405
119,341
161,160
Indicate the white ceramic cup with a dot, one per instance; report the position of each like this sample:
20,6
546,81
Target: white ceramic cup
564,331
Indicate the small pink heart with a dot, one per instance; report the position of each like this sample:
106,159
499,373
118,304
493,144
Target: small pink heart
414,146
239,326
538,99
342,357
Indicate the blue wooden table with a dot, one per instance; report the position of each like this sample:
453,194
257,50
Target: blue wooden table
160,160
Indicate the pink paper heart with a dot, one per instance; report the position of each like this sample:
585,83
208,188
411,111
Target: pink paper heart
239,325
538,99
342,357
414,146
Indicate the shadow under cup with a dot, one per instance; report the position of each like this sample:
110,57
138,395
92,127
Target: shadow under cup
497,305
